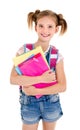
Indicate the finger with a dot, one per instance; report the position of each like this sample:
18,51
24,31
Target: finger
49,71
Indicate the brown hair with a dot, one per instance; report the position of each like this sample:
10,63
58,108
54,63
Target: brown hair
58,18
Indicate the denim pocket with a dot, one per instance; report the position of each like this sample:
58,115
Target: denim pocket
23,99
54,98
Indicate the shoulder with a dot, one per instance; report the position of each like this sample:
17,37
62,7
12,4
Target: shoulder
24,48
58,55
20,50
54,49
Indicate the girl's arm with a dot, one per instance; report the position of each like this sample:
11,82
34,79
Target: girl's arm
61,78
22,80
26,81
57,88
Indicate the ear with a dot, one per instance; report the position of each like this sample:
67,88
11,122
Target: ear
57,29
35,28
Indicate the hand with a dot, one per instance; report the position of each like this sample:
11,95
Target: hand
48,76
31,90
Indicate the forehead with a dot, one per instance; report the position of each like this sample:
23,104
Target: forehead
46,20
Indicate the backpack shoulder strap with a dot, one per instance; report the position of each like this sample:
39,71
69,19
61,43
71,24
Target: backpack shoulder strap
53,56
28,47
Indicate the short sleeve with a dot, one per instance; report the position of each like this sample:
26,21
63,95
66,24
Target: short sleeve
60,57
21,50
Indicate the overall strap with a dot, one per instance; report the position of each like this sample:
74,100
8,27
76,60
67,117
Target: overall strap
53,57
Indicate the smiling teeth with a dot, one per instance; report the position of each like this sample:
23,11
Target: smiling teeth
45,35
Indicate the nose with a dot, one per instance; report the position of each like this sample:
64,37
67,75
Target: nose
45,30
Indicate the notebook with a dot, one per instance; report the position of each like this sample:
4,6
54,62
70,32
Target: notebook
18,59
34,66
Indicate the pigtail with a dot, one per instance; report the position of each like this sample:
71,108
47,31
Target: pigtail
62,22
32,17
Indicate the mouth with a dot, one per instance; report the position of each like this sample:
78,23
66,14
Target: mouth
45,35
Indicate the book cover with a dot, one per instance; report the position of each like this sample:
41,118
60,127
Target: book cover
18,59
34,66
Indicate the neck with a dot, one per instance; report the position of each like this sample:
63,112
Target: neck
44,45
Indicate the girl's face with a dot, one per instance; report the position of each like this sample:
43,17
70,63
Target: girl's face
46,28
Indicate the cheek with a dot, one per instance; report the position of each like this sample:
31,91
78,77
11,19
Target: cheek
39,31
53,32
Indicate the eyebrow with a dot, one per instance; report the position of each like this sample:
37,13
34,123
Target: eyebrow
47,24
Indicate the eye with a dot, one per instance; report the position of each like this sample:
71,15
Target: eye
50,26
41,26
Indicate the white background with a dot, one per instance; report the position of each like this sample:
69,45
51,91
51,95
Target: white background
14,33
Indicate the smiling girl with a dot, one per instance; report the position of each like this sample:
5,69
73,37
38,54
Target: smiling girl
48,107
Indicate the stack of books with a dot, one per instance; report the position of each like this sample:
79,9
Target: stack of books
33,63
